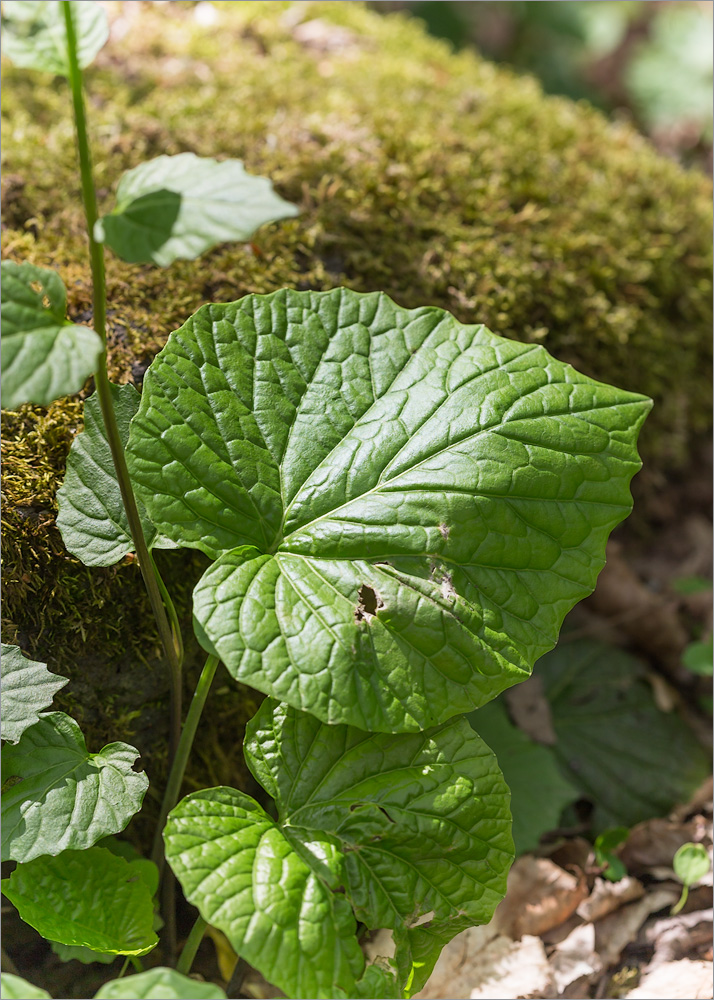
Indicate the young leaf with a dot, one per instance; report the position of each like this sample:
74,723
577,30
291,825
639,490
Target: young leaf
614,744
28,687
411,830
90,898
404,507
16,988
34,35
539,791
43,355
699,657
159,982
91,517
175,207
691,862
58,796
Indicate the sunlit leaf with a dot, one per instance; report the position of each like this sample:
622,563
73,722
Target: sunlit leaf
43,355
159,984
402,508
16,988
91,898
412,830
58,796
175,207
91,518
34,34
28,688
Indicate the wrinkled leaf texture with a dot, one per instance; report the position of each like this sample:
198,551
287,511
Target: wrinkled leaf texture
407,831
401,508
28,687
34,35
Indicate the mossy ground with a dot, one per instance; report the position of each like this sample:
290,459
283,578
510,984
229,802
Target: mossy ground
435,177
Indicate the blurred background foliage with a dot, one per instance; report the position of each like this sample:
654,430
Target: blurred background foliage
649,60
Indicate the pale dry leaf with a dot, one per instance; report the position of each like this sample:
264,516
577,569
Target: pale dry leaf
683,980
517,969
606,897
676,937
540,896
614,932
653,843
453,974
575,957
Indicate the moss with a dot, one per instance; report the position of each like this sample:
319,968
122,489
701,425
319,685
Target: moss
436,177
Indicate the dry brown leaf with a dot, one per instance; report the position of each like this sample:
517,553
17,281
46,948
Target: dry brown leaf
614,932
606,897
540,895
453,974
683,980
701,800
575,958
677,937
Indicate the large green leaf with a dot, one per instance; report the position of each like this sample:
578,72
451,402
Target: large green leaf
58,796
539,790
43,355
28,687
91,898
402,508
91,518
175,207
412,830
159,984
34,34
615,745
16,988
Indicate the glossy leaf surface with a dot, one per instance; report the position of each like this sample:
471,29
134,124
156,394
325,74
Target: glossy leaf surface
34,35
410,830
28,688
159,984
402,508
91,518
91,898
43,355
175,207
58,796
16,988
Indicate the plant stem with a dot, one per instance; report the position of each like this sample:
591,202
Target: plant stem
96,254
189,950
173,786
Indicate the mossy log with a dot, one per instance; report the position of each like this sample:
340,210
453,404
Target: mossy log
433,176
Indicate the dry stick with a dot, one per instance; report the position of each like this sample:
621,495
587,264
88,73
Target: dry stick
96,253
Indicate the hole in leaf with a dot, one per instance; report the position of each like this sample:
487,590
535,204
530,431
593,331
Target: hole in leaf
369,603
37,287
444,529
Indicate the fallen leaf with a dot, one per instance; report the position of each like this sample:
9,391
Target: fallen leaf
683,980
530,710
453,974
676,937
614,932
575,957
540,896
606,897
517,969
652,844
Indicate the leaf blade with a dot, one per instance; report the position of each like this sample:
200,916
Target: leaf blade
43,356
159,982
85,898
65,798
28,687
35,36
176,207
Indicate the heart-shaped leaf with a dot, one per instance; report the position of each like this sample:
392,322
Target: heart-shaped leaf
34,34
28,687
58,796
402,508
412,830
159,984
175,207
91,518
43,355
16,988
91,898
